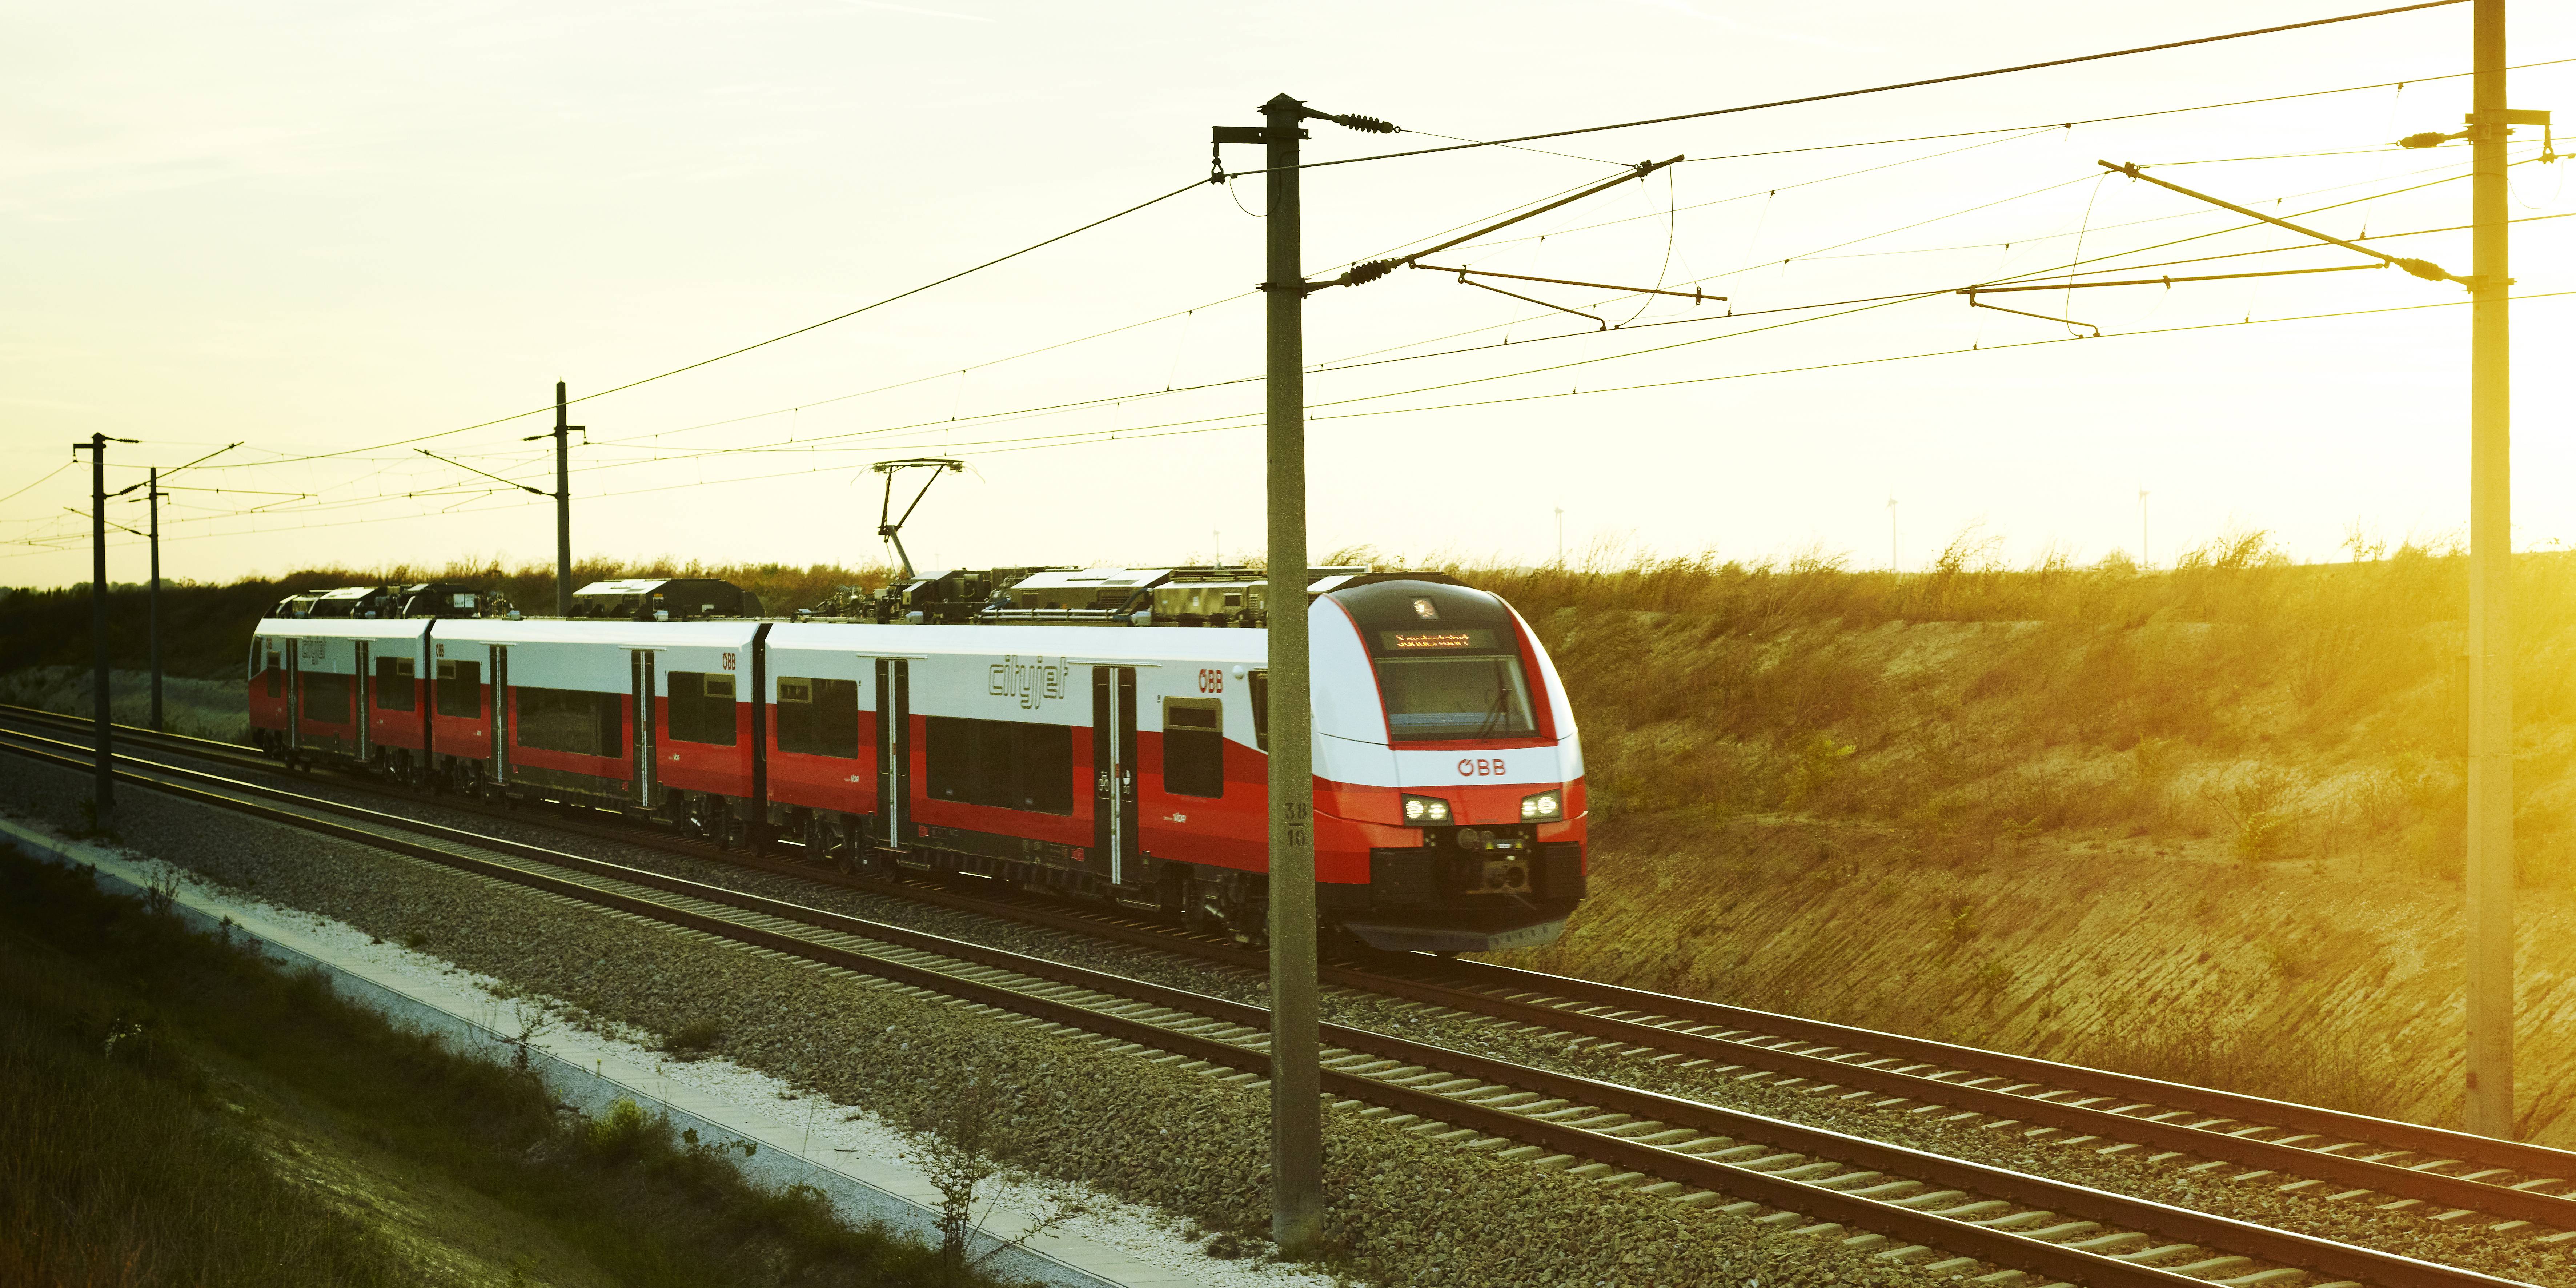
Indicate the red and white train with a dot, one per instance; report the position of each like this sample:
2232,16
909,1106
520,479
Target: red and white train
1028,745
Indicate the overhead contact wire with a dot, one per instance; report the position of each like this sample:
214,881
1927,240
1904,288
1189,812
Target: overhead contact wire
787,335
1878,89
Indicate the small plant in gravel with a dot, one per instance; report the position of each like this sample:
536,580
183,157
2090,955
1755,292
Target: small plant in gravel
528,1019
695,1039
963,1142
161,888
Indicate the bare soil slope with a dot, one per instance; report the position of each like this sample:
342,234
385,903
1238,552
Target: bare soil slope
2204,824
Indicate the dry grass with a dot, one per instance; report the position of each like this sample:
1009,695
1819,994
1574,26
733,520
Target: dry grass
197,708
2302,710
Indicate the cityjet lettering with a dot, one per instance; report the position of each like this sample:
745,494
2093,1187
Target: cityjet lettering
1031,682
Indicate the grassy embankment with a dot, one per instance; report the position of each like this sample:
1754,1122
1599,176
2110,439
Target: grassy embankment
2204,822
174,1110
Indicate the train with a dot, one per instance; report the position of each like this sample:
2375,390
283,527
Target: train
1092,733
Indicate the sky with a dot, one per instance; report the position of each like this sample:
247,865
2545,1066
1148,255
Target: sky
340,234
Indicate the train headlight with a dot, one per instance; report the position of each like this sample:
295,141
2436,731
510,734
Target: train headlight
1542,805
1425,809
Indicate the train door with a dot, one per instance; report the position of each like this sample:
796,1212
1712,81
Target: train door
894,751
364,700
500,673
425,697
642,687
295,694
1115,851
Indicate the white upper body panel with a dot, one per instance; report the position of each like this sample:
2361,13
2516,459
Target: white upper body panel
343,628
1081,645
1039,674
329,645
551,653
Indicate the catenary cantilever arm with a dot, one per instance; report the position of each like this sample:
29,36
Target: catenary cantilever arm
2425,269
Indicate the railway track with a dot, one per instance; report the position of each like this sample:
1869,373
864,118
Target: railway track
2507,1187
1902,1203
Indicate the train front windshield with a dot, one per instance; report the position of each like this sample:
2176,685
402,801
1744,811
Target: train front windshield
1431,698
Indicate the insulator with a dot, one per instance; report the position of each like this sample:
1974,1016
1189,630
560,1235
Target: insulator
1365,124
1363,274
2425,140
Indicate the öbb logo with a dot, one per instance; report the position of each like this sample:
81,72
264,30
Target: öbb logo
1481,768
1211,681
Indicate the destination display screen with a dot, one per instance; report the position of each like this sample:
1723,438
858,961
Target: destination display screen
1417,641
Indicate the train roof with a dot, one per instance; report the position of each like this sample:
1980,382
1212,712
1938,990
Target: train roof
729,632
1075,643
646,585
345,628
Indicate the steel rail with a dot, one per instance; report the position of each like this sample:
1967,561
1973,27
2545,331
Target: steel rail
1944,1070
2433,1142
1996,1246
1878,1071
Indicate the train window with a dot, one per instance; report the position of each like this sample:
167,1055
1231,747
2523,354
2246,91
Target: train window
1455,697
1193,746
460,690
276,672
818,717
1046,767
948,753
571,720
394,684
1261,710
992,771
701,708
1002,763
326,696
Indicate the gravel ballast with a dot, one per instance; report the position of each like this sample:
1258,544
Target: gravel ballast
1401,1209
2412,1233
